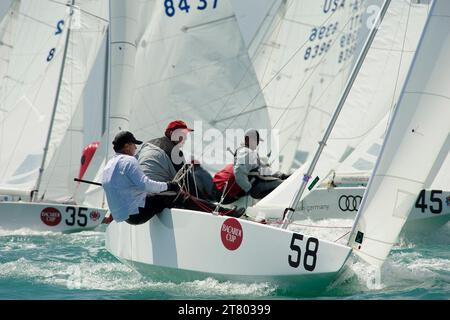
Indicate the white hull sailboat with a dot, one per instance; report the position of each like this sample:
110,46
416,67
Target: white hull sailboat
48,50
180,244
186,244
183,245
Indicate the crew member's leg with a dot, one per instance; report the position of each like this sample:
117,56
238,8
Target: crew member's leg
154,204
190,202
262,188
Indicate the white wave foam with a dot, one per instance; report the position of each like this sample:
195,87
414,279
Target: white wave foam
115,276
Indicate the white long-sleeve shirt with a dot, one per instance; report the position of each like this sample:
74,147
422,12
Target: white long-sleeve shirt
126,186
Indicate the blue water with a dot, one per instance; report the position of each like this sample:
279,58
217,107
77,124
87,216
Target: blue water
45,265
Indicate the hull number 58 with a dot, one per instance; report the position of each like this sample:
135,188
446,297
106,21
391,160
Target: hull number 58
310,255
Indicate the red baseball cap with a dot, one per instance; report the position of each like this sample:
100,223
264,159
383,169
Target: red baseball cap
178,124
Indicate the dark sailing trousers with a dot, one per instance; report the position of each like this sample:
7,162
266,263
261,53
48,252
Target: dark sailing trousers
155,203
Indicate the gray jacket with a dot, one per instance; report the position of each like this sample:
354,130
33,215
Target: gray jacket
155,163
246,160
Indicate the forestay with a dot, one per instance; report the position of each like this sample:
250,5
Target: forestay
416,143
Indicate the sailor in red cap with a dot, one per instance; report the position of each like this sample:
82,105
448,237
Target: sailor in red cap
162,158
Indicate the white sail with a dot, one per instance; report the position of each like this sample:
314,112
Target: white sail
374,94
195,67
8,28
252,16
365,155
87,34
33,79
302,63
58,182
416,141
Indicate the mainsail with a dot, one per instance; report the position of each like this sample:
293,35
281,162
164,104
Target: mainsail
53,52
195,66
416,143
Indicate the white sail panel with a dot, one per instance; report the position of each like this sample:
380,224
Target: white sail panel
194,66
251,15
417,136
8,28
378,84
66,142
302,63
29,91
373,96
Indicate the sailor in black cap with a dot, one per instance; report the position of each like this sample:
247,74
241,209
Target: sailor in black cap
126,187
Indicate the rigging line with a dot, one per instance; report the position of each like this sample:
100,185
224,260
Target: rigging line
71,131
238,115
59,44
342,236
400,63
284,66
205,66
274,3
314,108
399,178
40,80
36,20
187,28
55,105
307,79
81,10
244,75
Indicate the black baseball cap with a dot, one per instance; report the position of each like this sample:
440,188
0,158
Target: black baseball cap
124,137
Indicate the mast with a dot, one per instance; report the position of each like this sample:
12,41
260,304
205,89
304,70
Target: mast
291,209
34,193
106,83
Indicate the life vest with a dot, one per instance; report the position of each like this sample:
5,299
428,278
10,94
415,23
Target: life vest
221,178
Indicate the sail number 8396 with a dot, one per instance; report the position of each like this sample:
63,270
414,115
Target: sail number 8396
310,256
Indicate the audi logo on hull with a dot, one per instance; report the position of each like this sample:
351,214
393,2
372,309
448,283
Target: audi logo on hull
349,203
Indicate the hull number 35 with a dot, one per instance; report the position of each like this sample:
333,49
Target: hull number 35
310,255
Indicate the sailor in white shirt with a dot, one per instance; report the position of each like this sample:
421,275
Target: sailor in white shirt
128,190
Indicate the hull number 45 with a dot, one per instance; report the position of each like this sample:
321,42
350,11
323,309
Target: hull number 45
435,202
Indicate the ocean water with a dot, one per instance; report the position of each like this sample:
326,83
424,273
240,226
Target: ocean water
46,265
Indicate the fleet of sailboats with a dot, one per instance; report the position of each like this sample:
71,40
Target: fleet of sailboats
177,59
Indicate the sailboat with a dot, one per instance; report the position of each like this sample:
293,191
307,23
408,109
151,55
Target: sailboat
48,49
353,147
182,244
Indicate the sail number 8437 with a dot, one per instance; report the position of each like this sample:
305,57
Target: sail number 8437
310,256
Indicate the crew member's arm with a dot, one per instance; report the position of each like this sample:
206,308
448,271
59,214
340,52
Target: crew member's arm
137,176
